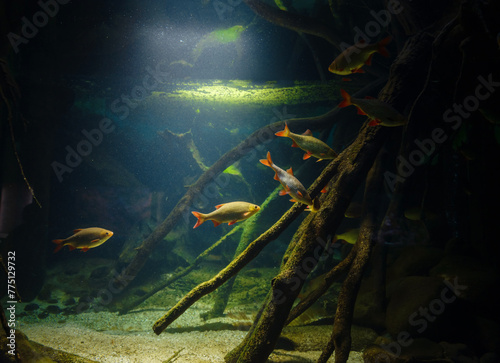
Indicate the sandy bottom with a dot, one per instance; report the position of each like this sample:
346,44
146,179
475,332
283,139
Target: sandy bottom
109,338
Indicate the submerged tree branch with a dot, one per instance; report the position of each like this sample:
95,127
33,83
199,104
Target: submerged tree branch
340,340
133,302
353,164
330,277
246,256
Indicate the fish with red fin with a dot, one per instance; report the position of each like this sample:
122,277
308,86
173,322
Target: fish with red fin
311,145
291,185
379,113
352,59
229,213
84,239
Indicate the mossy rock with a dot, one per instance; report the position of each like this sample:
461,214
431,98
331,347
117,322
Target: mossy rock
421,306
478,279
417,350
366,312
414,261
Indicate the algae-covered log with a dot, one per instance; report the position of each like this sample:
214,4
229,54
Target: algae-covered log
340,340
253,249
414,56
131,302
353,165
249,227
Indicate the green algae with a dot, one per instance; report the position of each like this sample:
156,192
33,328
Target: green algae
227,35
233,170
239,92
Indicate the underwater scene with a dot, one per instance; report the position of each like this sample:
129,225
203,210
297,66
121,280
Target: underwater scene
249,181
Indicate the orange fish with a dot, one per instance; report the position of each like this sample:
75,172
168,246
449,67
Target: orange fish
311,145
380,113
84,239
229,213
291,185
356,56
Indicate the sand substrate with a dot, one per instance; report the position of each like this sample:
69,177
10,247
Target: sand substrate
110,338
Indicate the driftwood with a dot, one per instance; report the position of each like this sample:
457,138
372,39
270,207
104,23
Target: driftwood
249,145
260,341
350,155
223,293
340,340
131,303
353,165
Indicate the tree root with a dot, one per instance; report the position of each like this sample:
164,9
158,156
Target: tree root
353,165
246,256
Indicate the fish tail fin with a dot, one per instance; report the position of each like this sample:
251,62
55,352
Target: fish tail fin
315,205
346,99
284,133
268,161
201,218
381,46
59,243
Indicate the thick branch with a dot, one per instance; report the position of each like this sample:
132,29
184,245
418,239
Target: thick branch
330,277
246,256
354,164
341,335
131,303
